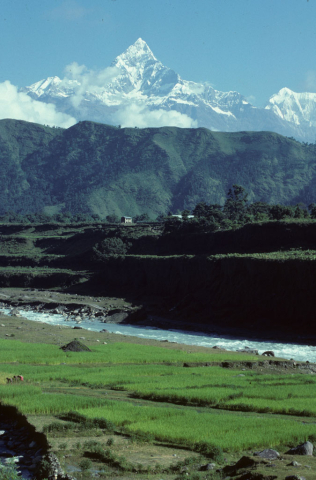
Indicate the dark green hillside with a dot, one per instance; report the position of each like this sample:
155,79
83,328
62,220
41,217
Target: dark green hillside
18,140
95,168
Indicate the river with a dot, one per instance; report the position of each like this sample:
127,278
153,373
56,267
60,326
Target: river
284,350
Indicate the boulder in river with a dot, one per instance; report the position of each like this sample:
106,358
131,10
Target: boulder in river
251,351
119,317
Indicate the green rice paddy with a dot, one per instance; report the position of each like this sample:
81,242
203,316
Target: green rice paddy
232,408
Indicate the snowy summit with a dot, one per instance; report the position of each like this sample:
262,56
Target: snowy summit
138,90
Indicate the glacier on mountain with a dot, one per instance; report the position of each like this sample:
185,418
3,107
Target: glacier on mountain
138,90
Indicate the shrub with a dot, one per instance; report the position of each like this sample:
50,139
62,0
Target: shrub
88,423
92,445
85,464
8,471
45,469
59,427
199,476
142,437
191,476
212,451
112,246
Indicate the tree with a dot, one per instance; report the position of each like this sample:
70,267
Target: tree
278,212
312,209
185,214
143,217
200,210
259,208
261,217
112,218
172,224
161,217
112,246
213,213
298,212
236,203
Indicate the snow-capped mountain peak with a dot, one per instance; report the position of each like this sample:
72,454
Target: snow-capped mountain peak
40,87
138,52
140,69
137,89
298,108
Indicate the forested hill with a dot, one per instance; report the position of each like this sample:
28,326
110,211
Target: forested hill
96,168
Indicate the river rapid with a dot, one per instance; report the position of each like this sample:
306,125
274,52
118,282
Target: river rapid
283,350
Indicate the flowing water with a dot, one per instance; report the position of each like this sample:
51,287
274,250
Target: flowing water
284,350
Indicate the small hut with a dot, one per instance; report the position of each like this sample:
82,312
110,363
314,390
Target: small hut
126,220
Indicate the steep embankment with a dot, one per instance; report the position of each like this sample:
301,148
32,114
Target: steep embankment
253,291
273,289
256,237
102,169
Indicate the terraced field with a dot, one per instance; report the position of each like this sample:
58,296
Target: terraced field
133,409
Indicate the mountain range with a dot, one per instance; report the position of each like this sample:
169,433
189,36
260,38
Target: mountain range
138,90
103,169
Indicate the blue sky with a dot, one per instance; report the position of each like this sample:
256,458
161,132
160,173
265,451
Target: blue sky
253,46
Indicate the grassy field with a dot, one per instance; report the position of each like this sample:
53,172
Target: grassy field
187,427
126,392
116,353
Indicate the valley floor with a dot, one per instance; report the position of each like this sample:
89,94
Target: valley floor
141,415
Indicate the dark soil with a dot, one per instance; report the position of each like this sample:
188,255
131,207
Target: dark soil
75,346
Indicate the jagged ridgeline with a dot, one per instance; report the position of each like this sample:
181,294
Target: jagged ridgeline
101,169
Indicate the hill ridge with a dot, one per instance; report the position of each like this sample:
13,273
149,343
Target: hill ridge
96,168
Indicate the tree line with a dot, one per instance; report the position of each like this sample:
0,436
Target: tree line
236,211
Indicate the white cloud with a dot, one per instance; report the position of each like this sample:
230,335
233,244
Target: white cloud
207,84
251,99
18,105
83,81
87,80
79,81
137,116
197,88
69,10
310,81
